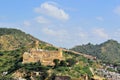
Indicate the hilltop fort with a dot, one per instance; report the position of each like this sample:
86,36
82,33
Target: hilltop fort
44,56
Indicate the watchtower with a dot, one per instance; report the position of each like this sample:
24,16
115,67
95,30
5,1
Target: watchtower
37,44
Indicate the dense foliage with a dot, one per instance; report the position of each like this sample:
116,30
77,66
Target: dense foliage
11,39
108,51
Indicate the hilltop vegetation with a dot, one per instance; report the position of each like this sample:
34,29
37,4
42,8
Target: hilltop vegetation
11,39
13,43
74,66
108,51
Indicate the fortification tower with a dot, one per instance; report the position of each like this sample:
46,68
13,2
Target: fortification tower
60,52
37,44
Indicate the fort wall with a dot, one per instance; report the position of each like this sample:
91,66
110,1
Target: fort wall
45,57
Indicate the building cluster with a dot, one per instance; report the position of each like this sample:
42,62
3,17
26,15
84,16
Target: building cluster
108,74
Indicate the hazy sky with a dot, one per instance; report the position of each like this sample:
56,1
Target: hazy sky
64,23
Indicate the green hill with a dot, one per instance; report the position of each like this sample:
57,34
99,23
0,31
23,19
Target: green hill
108,51
11,39
13,43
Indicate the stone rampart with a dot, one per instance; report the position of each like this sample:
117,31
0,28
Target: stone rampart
45,57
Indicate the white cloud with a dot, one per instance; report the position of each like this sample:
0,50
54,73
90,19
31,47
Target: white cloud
26,23
52,10
42,20
60,36
82,35
49,31
56,33
99,18
9,25
117,10
117,33
100,33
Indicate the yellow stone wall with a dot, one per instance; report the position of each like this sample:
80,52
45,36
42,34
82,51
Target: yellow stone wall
45,57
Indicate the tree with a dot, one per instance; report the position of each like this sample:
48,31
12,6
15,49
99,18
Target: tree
71,62
33,66
52,77
56,62
28,75
44,75
63,63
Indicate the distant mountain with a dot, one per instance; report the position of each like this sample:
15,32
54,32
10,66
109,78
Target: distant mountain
11,39
108,51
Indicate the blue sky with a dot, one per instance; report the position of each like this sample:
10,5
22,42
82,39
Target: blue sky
64,23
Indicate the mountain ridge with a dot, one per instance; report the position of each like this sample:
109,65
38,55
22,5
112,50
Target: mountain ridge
11,39
108,51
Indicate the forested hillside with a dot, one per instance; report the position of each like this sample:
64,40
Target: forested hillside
108,51
11,39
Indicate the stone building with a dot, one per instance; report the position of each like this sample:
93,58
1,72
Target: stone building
44,56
